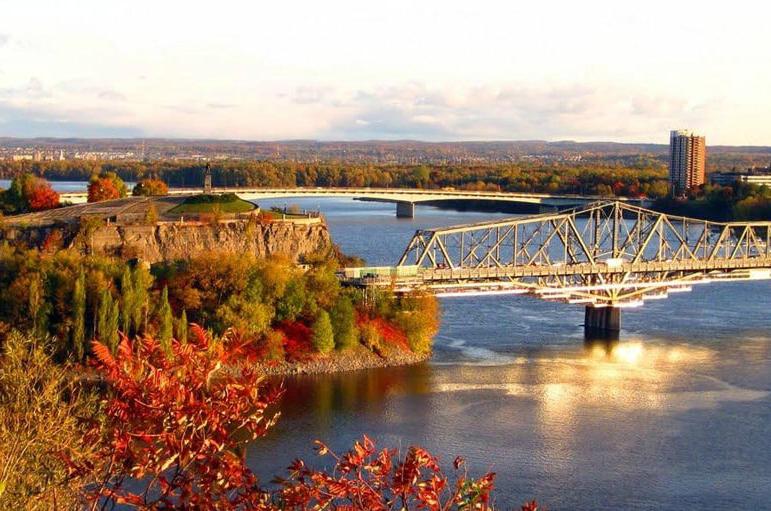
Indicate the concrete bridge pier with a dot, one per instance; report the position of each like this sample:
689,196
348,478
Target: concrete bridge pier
405,209
602,323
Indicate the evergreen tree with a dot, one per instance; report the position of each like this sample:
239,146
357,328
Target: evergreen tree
79,316
165,321
128,300
182,327
103,316
38,307
323,336
112,325
142,280
344,323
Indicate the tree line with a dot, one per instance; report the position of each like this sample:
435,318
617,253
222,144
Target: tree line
642,177
736,202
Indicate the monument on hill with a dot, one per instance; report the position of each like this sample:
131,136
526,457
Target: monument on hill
207,179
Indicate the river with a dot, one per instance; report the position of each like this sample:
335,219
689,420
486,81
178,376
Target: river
676,416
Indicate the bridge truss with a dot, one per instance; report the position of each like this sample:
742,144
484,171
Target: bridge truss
604,254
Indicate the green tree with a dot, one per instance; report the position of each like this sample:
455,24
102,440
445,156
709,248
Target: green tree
165,321
112,325
79,316
343,320
38,307
128,300
107,320
182,327
248,317
292,303
141,282
323,336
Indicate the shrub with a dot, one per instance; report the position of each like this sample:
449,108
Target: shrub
365,478
173,423
42,409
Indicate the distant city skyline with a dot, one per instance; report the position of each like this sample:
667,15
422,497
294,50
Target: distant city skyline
433,71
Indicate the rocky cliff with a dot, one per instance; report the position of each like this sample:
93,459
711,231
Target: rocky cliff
176,240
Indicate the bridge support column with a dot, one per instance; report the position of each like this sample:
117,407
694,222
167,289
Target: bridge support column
405,209
602,323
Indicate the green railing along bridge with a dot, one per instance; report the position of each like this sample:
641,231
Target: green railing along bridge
606,256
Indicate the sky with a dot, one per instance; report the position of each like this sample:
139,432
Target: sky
360,70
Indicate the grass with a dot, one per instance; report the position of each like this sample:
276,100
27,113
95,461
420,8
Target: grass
224,203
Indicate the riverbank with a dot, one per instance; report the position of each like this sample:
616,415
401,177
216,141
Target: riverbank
342,361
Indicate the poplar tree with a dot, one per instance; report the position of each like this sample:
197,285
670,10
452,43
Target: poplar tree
112,325
142,280
165,321
182,327
344,324
323,337
103,316
128,300
79,316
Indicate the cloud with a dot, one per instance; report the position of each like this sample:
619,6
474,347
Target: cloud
4,39
32,90
577,111
221,106
34,122
111,95
306,95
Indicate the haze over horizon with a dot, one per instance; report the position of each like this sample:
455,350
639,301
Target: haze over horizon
437,71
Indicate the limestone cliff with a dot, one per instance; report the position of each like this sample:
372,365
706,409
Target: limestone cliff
176,240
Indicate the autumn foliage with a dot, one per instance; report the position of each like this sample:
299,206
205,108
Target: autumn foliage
150,187
41,196
174,421
366,478
102,189
28,193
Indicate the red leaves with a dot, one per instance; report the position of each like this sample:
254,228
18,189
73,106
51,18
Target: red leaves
367,479
297,343
41,196
389,332
174,421
102,189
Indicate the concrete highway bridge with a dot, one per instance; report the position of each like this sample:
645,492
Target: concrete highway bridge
404,198
606,256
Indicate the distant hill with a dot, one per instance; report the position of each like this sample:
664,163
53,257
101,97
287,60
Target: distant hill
378,151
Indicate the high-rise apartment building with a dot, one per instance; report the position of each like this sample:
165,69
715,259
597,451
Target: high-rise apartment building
687,159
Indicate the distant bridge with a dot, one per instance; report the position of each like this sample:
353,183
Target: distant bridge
404,198
607,256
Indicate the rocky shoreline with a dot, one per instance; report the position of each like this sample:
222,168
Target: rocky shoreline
352,360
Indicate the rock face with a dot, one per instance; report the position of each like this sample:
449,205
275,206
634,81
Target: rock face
176,240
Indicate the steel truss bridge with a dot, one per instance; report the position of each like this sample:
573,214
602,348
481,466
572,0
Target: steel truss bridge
607,256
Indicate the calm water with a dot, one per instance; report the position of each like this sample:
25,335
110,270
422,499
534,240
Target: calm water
62,186
677,416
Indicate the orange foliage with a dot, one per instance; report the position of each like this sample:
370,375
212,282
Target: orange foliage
389,332
173,421
102,189
42,196
371,479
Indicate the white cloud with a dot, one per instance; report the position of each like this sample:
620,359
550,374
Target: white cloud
431,69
